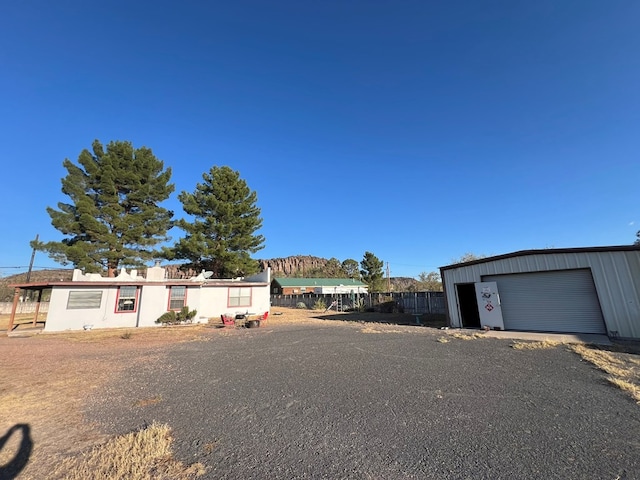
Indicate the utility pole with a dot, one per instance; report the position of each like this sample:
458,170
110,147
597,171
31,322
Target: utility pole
33,256
388,280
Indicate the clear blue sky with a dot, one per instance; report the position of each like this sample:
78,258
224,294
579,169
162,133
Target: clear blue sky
417,130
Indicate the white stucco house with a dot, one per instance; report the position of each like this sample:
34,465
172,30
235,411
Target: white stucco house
90,301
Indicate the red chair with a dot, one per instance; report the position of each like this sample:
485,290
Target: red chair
228,320
263,320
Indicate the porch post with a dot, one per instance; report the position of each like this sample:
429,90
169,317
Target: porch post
16,297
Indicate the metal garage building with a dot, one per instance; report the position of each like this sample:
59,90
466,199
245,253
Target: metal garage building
578,290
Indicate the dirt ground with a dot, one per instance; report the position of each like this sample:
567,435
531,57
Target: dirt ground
45,379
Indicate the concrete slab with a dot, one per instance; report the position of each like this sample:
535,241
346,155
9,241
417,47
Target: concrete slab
541,336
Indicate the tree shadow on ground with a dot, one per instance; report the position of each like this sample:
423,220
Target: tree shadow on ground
426,319
13,468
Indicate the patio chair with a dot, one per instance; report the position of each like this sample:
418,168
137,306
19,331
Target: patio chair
228,320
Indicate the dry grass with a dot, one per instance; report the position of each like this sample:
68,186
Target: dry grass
629,387
369,329
142,455
20,319
176,332
145,402
603,360
623,372
545,344
467,336
284,316
381,328
46,378
443,340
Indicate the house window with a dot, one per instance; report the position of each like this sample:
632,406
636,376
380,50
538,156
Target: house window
240,296
127,299
78,299
177,297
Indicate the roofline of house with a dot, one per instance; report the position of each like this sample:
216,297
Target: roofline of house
305,281
545,251
175,283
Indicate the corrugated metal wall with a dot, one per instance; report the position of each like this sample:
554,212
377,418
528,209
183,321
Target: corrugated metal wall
616,275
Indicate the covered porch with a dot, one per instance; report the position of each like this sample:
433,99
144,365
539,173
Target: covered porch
27,322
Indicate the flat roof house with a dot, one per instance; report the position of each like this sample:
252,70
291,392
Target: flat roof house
334,286
130,300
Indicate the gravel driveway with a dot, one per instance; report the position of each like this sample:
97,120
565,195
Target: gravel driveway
338,401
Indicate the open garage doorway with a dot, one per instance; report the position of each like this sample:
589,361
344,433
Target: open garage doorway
468,305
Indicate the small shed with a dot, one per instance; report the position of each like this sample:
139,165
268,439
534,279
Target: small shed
331,286
570,290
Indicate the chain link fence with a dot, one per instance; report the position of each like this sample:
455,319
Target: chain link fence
407,302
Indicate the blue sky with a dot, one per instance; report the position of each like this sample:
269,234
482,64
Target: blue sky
417,130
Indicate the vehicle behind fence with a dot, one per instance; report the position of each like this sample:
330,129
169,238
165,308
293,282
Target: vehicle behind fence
408,302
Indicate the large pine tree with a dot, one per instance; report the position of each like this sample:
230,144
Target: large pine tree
221,236
114,218
371,272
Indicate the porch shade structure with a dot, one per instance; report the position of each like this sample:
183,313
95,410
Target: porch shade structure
35,287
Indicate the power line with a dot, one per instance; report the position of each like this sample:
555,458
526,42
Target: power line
40,268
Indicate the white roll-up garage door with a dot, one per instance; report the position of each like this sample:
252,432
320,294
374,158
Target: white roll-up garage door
558,301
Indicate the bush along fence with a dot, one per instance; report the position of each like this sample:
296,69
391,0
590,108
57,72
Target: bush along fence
407,302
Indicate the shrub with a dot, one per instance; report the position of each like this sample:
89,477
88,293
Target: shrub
185,315
173,318
167,317
359,305
390,307
301,305
320,304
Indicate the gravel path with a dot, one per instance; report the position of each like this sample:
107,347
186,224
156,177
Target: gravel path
331,401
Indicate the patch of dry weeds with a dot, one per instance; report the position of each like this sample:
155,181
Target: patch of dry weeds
545,344
142,455
629,387
623,372
467,336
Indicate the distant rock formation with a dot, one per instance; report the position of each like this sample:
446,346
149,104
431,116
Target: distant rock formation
294,266
178,272
302,265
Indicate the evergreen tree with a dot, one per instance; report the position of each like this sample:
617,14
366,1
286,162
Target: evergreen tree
333,269
351,268
371,272
221,236
114,218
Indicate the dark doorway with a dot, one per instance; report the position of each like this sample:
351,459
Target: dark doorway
468,305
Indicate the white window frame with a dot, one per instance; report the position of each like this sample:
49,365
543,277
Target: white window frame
177,298
239,297
127,300
84,299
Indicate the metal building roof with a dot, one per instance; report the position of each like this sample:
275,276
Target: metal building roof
546,251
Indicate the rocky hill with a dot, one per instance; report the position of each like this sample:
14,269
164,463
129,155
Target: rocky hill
294,266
